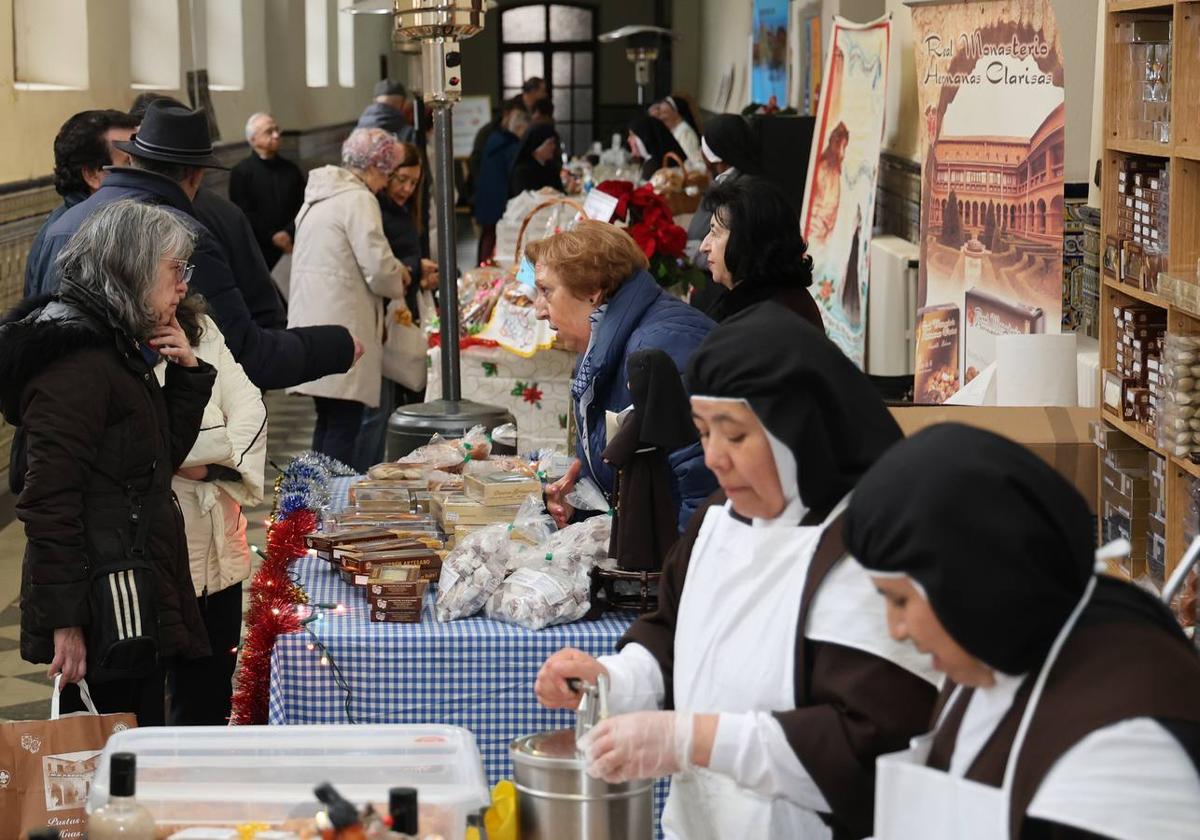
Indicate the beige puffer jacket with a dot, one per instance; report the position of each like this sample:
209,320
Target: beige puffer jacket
342,269
233,434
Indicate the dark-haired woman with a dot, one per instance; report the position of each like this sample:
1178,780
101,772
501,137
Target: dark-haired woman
731,151
400,207
1072,710
650,141
755,250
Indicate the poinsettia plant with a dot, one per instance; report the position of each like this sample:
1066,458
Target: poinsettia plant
649,221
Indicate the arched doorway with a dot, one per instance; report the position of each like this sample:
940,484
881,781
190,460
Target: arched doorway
1041,216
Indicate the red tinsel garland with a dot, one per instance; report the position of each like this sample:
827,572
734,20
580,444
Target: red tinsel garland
272,611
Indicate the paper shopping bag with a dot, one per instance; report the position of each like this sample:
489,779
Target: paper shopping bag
46,767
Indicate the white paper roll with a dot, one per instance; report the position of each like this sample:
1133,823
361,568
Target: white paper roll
1036,370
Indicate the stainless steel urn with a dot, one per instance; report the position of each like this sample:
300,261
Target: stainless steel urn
558,800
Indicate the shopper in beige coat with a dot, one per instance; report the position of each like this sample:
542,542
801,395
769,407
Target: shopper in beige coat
222,473
342,271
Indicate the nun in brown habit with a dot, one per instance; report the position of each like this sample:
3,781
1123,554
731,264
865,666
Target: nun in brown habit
1072,708
769,651
644,524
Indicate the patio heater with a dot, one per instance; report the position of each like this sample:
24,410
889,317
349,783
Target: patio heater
642,50
438,26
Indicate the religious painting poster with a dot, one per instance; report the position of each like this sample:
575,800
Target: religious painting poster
838,213
990,89
769,52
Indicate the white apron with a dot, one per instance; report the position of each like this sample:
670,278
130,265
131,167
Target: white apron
915,802
735,651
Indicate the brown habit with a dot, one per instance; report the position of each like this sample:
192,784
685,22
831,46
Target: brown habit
851,706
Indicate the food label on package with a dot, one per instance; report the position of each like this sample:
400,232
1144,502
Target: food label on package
988,316
547,586
937,354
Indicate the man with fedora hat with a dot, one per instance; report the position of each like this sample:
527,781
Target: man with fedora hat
233,232
168,156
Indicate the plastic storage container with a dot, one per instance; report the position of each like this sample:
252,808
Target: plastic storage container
223,776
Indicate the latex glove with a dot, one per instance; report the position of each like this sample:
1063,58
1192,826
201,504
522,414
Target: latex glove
640,745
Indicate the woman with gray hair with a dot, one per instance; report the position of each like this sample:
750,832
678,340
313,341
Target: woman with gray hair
343,271
106,591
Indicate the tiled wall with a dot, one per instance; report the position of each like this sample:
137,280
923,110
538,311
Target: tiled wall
22,213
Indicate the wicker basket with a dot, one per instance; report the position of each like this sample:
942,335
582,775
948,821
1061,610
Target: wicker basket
553,202
674,190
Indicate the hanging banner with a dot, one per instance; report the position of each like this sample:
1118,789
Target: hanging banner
990,87
839,194
769,52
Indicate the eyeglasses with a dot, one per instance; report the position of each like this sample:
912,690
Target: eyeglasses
183,269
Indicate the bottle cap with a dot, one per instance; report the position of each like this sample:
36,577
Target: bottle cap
341,813
402,807
122,771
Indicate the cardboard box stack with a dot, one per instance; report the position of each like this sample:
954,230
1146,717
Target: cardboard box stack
490,499
1129,389
1125,495
1137,252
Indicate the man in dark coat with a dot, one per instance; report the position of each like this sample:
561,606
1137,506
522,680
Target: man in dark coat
387,111
82,151
268,188
168,156
234,232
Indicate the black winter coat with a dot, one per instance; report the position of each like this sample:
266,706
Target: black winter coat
271,358
95,423
230,227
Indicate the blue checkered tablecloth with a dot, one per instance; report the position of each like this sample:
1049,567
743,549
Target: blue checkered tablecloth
474,672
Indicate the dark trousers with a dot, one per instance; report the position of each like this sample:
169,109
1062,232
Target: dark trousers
201,689
336,432
145,697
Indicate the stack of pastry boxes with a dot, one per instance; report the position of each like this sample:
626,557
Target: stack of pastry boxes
489,499
1131,498
1140,243
380,545
1132,389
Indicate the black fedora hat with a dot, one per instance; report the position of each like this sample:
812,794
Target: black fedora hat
173,134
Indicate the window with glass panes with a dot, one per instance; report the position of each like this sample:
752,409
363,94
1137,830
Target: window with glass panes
556,42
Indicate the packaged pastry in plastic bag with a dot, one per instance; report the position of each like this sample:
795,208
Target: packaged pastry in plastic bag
536,598
475,568
532,524
582,545
438,454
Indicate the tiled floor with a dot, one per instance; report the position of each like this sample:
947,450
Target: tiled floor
24,688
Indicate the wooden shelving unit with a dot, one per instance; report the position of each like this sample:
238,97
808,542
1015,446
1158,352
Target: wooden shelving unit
1182,157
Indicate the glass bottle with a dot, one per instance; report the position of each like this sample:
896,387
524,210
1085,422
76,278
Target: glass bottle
122,818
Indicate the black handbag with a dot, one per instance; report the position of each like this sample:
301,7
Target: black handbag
122,635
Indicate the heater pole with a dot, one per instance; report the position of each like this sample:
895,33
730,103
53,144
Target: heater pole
447,258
